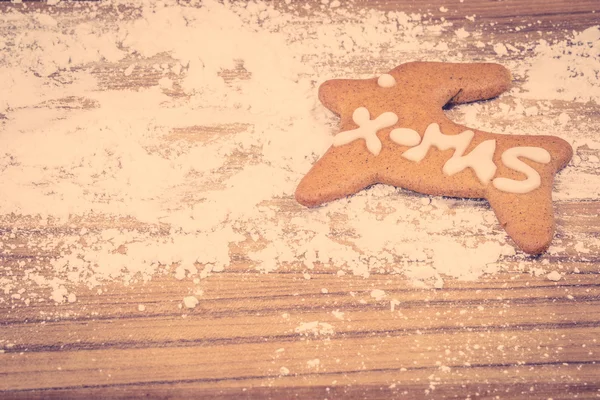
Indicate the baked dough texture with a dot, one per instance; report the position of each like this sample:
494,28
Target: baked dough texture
410,99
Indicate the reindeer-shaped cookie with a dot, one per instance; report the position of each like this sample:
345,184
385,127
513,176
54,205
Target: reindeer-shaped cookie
394,131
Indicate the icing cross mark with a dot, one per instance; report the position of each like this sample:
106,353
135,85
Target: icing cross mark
367,129
412,144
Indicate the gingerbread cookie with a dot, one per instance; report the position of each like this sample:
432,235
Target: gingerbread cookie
394,131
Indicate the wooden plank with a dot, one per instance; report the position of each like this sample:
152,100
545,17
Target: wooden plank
533,384
438,352
509,335
249,319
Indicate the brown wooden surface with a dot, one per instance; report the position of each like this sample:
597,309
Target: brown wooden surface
509,335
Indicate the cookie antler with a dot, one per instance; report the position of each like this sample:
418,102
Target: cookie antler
383,118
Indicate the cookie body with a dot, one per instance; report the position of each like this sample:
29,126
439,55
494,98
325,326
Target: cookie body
393,131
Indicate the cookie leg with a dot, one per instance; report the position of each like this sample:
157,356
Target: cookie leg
334,177
527,218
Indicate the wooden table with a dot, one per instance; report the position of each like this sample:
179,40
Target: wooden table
508,335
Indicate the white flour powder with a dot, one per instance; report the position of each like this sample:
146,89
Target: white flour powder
185,129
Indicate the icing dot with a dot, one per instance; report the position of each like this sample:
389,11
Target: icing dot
386,81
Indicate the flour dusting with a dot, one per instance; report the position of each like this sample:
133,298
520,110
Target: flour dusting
169,139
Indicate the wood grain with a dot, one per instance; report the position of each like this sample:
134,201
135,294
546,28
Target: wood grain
511,334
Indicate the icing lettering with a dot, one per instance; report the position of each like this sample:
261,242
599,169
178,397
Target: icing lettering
479,159
510,158
386,81
367,129
434,137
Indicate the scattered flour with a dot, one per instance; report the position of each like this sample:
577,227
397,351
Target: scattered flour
315,328
554,276
500,49
566,70
175,192
190,302
378,294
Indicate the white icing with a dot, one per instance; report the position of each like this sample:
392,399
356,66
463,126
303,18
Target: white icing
510,158
434,137
386,81
480,159
367,129
405,137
